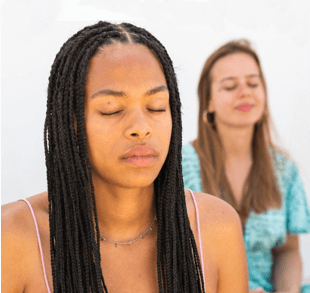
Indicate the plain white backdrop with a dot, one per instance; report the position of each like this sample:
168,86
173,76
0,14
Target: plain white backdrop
32,32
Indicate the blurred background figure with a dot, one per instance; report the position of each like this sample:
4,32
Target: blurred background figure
234,158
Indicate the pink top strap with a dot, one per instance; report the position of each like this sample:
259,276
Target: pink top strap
39,241
199,235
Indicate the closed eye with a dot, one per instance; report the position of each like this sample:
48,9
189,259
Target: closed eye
157,110
112,113
230,88
253,84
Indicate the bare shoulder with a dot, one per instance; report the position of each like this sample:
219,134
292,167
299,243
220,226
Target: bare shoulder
18,241
219,222
16,216
222,241
214,212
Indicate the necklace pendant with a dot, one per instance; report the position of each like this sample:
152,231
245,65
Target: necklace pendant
116,245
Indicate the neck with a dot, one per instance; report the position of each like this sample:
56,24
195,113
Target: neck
237,142
123,213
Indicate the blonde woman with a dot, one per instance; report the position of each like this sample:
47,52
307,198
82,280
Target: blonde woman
234,158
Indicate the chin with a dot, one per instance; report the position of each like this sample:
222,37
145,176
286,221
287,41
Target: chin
140,180
127,180
247,121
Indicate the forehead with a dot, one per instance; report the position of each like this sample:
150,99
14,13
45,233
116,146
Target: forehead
121,63
234,65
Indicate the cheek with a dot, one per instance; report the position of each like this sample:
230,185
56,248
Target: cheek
164,131
261,98
165,128
222,102
99,137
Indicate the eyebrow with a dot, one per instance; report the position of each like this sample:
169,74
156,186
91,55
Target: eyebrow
233,77
109,92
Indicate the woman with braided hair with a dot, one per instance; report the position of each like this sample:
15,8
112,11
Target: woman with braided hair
115,217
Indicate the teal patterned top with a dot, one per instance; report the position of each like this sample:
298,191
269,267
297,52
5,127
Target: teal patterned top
268,229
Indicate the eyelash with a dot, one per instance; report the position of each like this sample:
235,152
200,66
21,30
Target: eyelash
250,85
230,88
110,114
117,112
253,85
157,110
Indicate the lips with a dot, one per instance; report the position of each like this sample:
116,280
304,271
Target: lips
140,156
141,151
245,107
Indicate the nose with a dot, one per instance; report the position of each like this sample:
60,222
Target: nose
244,90
138,126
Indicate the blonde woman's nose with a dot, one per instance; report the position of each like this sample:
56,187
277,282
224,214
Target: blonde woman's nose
244,90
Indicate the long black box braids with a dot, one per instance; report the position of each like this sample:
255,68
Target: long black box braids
74,231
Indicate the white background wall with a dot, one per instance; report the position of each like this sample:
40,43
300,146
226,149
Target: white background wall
33,31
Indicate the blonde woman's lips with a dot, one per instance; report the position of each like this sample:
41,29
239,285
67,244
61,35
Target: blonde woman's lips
245,107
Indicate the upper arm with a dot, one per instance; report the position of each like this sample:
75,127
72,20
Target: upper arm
291,244
233,272
13,261
222,236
